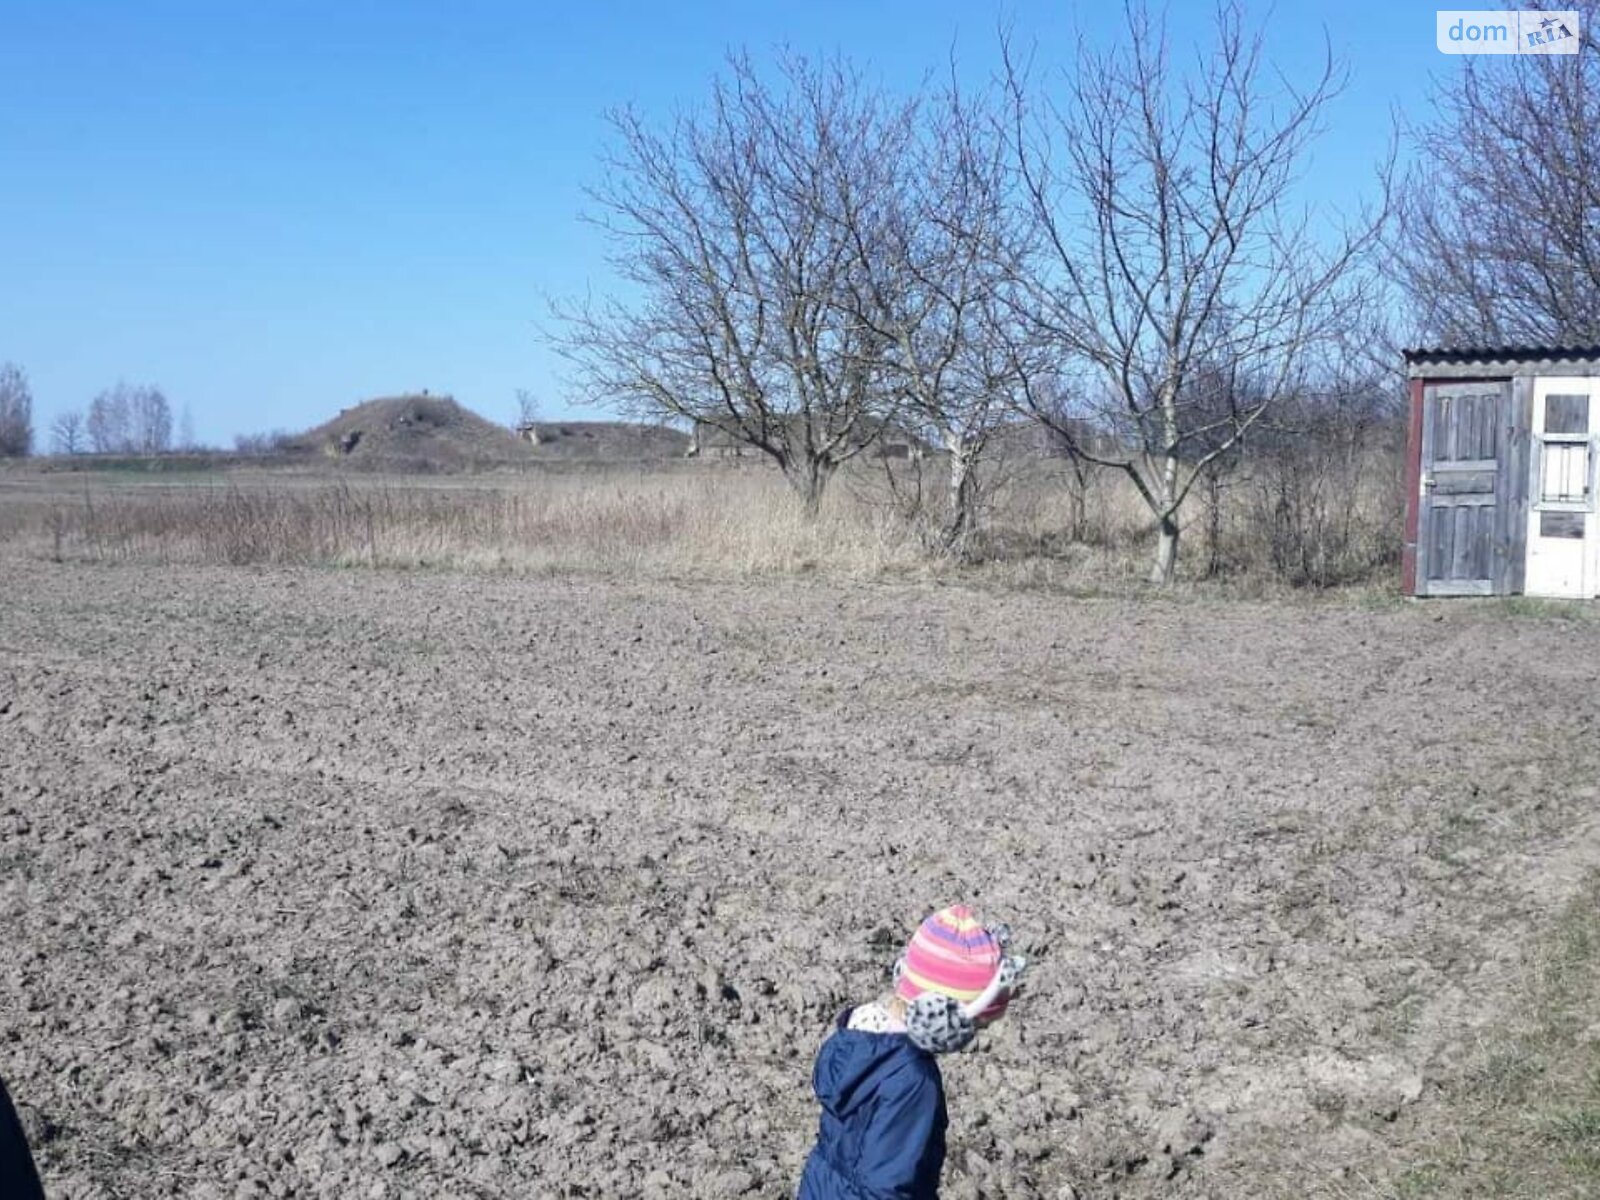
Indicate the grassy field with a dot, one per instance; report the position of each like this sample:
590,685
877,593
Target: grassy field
1522,1120
1041,526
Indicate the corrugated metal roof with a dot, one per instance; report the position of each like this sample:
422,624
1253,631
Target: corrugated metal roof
1489,356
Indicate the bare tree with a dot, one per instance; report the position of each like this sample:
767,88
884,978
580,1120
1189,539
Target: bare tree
16,412
527,408
741,230
186,438
1168,237
110,421
1324,470
940,292
152,421
1498,238
130,419
1216,391
67,434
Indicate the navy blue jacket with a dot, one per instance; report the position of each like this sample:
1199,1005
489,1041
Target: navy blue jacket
18,1179
883,1120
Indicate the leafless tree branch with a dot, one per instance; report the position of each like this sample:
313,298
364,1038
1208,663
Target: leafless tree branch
1167,240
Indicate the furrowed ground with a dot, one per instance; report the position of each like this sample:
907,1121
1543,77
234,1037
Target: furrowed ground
324,882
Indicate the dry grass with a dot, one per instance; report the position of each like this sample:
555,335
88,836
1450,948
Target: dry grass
1525,1120
1041,527
719,523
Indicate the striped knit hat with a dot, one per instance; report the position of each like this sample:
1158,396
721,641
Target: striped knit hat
953,954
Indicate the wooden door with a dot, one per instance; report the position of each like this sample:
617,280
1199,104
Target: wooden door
1473,439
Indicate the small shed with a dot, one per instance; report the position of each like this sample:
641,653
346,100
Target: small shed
1500,472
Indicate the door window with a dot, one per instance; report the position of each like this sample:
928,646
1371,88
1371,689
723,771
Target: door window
1566,414
1564,459
1566,473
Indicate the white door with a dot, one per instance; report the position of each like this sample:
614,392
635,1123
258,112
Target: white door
1562,537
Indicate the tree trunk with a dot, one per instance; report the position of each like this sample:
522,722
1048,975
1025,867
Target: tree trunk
1078,500
962,519
810,479
1166,560
1166,495
1213,522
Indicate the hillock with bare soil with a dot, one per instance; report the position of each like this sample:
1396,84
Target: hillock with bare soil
434,433
414,433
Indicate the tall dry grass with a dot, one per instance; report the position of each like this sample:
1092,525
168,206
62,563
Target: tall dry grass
722,522
1044,524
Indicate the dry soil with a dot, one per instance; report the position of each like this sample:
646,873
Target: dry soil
323,883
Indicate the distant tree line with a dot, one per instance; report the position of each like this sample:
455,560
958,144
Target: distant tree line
129,419
124,419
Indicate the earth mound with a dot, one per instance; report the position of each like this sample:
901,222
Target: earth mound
416,432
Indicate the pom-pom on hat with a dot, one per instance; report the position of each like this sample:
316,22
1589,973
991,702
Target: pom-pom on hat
952,954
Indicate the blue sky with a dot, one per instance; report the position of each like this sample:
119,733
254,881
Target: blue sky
273,210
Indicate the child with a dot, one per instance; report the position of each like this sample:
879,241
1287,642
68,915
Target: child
883,1114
